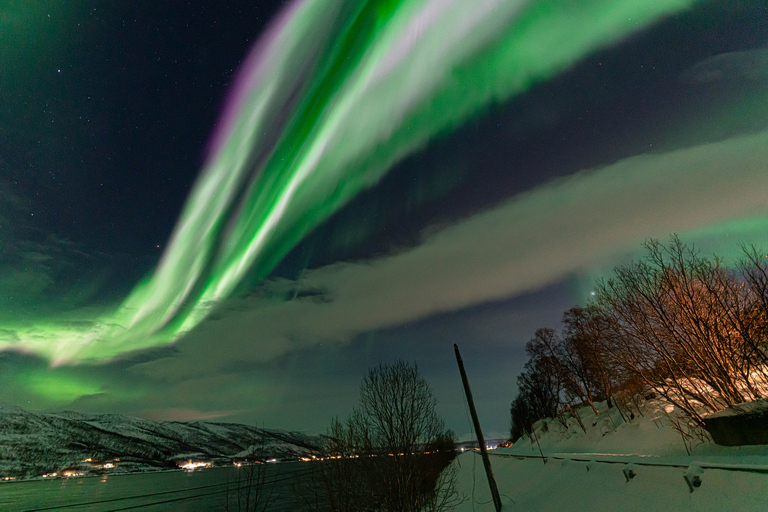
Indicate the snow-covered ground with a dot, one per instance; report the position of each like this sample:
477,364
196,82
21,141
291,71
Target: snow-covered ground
586,471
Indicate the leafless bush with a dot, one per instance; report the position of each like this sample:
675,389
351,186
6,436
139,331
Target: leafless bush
692,433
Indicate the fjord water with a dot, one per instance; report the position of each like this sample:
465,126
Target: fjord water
199,491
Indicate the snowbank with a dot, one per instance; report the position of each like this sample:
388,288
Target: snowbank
589,470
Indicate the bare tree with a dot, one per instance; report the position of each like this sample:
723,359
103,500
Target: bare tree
566,357
686,326
586,330
396,447
539,388
396,420
338,484
754,271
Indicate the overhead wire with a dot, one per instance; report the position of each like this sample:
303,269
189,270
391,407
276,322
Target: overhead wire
282,477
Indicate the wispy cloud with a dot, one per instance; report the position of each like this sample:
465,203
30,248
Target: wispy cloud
566,227
43,273
730,66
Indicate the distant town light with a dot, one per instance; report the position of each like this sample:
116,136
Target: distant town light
191,466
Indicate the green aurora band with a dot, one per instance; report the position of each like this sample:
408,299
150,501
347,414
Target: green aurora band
334,95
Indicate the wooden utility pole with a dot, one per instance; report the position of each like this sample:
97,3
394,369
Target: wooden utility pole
479,432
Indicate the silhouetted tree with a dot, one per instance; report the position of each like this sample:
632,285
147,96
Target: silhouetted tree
396,447
338,483
539,388
585,332
567,358
521,419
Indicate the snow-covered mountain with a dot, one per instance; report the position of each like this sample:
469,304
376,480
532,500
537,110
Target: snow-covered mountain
34,444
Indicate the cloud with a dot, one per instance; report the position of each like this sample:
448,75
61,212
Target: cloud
531,241
730,66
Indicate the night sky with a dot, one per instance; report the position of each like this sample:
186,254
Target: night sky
231,210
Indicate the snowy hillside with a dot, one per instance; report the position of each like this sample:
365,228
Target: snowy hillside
642,463
33,444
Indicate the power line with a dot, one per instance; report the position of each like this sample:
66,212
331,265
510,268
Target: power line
299,473
133,507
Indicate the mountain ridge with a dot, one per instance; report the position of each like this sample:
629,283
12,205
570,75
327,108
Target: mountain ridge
33,444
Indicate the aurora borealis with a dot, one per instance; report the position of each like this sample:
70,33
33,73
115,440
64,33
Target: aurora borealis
378,169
